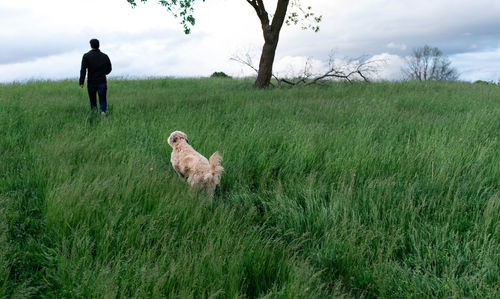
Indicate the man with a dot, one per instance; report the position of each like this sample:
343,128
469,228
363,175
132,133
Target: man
99,66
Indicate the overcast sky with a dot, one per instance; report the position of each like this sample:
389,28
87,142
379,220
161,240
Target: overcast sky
46,39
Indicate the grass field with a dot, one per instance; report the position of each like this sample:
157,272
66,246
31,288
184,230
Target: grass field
385,190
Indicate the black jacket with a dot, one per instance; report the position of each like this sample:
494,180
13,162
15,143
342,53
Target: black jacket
98,65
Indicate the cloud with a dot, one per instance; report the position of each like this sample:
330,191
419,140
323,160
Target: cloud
360,27
54,67
484,65
297,66
393,45
389,66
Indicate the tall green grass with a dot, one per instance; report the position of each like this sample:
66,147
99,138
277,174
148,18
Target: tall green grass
367,190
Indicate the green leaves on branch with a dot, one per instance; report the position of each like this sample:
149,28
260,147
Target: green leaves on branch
303,16
179,8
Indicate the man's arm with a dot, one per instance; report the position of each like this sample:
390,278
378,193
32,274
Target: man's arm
83,70
108,66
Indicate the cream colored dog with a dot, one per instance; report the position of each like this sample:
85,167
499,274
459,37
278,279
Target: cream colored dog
191,165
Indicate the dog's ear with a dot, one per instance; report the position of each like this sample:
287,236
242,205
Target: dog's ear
174,139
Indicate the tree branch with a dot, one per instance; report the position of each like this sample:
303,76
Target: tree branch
279,17
246,61
262,13
350,71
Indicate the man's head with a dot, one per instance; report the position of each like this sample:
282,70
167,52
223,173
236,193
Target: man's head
94,43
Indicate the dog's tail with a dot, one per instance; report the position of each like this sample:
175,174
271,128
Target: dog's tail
215,167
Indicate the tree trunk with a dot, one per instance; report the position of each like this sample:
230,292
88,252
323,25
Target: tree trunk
266,65
271,34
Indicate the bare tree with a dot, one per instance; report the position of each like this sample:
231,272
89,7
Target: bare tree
429,63
350,70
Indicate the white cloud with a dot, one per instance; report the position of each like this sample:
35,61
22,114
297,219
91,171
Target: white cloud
393,45
389,66
484,65
297,66
54,67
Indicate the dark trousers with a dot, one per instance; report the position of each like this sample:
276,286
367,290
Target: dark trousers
101,90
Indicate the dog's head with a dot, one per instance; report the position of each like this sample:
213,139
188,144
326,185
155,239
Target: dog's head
177,137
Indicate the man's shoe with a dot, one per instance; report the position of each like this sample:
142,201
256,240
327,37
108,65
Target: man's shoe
103,114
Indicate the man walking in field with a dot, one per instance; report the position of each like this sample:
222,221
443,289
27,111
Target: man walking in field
99,66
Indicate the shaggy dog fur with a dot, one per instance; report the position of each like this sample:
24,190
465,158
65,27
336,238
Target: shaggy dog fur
191,165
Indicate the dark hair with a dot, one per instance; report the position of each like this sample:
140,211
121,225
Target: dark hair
94,43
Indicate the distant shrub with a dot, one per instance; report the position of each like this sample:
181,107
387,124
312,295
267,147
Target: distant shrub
483,82
220,75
